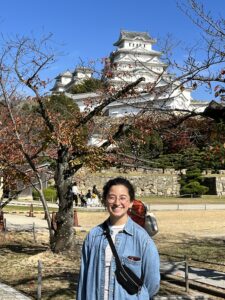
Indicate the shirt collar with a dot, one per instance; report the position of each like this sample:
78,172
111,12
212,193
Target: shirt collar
128,228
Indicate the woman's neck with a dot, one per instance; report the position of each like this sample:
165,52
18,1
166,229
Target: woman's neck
117,222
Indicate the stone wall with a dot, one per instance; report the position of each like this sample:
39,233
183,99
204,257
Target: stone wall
157,182
220,185
145,182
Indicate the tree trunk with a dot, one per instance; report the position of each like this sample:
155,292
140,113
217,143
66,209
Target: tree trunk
64,233
47,215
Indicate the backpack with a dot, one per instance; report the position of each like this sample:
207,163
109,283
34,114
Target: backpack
139,214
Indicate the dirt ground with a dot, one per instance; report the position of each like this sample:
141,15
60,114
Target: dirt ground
196,223
198,234
202,223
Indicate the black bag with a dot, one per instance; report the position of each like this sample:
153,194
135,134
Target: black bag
125,276
129,281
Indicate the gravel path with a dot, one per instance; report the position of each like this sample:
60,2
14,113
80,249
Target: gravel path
9,293
16,222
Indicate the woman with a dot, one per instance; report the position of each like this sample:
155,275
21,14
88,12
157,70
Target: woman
134,246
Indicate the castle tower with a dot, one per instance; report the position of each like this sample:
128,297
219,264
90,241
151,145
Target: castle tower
134,58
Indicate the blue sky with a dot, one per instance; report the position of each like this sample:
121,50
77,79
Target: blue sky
87,29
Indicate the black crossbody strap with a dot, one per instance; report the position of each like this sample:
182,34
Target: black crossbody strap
109,238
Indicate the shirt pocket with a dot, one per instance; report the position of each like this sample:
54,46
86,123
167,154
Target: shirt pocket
134,265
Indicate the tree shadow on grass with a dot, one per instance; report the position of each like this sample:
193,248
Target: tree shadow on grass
70,279
68,291
198,249
23,249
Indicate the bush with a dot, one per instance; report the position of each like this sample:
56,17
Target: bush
87,86
191,183
49,193
194,188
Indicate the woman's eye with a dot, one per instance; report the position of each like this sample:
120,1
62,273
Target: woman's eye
123,198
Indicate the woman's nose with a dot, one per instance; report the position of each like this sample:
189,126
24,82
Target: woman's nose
117,201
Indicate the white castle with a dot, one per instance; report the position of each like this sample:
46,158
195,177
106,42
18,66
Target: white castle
134,57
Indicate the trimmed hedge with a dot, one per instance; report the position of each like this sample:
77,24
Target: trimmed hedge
49,193
191,183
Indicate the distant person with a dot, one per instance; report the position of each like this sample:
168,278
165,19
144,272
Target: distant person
98,277
96,192
82,200
75,193
88,197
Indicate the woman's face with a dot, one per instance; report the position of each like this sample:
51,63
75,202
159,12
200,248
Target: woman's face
118,202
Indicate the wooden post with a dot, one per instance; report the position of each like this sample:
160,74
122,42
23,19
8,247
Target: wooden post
34,233
39,280
2,223
75,218
54,221
31,212
186,274
5,224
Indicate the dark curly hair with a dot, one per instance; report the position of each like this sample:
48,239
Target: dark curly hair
118,181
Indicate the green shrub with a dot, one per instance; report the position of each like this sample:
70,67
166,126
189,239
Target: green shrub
191,183
193,188
49,193
87,86
35,194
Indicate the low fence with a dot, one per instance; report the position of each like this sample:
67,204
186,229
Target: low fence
3,222
195,274
26,228
169,268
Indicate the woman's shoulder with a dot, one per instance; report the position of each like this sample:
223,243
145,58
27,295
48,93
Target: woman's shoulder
140,232
96,230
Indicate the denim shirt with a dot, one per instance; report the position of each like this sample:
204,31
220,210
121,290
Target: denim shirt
132,241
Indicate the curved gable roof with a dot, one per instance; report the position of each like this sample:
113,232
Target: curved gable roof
133,35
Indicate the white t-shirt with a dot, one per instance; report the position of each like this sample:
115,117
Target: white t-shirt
108,258
75,190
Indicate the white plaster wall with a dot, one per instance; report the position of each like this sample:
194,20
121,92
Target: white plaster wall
65,80
122,111
61,89
81,75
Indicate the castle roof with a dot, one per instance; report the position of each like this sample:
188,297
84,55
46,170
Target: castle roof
84,70
64,74
133,35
